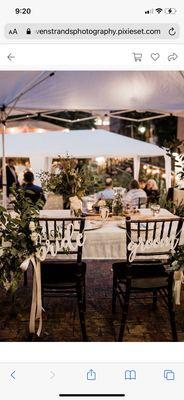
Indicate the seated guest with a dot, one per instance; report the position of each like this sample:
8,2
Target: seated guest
142,184
108,192
28,186
152,191
135,196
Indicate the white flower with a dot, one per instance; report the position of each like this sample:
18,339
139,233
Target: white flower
1,252
75,203
32,226
7,285
14,215
34,236
175,264
24,266
6,244
101,203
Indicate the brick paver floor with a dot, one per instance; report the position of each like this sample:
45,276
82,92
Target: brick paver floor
61,322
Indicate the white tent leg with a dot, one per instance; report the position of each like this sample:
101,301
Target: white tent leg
136,167
167,171
37,165
47,164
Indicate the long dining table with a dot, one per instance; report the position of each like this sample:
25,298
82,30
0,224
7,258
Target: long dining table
108,239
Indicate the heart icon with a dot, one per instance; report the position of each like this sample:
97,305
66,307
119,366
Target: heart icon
155,56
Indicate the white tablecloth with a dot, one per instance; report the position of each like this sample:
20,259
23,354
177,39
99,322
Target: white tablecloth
108,242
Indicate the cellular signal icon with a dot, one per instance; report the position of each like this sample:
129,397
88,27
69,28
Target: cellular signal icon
149,11
159,10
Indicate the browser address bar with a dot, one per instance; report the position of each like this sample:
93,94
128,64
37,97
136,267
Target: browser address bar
112,32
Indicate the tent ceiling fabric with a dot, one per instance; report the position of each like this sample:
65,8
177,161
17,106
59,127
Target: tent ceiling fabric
93,90
79,143
32,124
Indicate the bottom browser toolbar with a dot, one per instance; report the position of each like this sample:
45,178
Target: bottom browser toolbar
91,380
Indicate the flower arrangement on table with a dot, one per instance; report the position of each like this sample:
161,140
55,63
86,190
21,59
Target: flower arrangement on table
103,203
18,233
68,180
115,205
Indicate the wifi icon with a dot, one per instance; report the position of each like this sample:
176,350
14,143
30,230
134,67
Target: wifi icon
159,10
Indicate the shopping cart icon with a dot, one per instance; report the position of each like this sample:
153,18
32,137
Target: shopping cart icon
137,56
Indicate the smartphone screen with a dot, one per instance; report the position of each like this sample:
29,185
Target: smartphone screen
91,200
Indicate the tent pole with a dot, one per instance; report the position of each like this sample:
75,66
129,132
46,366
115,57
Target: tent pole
167,171
136,163
4,178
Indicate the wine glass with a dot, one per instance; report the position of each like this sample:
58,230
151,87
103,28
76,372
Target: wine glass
104,213
155,208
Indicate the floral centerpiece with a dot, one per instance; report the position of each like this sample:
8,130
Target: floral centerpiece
103,203
117,206
18,233
67,180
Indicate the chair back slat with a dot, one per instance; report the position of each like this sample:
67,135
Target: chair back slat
55,229
154,230
146,231
63,229
162,229
138,228
47,228
170,227
152,238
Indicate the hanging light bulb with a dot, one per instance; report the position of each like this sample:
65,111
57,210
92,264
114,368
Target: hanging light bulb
98,120
142,129
106,120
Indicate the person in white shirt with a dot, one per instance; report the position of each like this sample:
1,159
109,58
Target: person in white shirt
135,197
108,192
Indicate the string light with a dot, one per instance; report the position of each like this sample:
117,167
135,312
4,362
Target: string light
100,160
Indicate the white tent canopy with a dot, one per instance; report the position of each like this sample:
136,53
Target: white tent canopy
92,90
40,147
25,92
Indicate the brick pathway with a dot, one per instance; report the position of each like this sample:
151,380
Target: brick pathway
61,322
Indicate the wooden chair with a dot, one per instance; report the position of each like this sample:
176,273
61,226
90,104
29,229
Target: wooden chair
64,277
146,274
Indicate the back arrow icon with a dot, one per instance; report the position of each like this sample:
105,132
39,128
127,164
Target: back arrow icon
10,57
13,375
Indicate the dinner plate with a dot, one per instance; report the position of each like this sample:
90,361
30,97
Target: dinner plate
134,227
92,225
